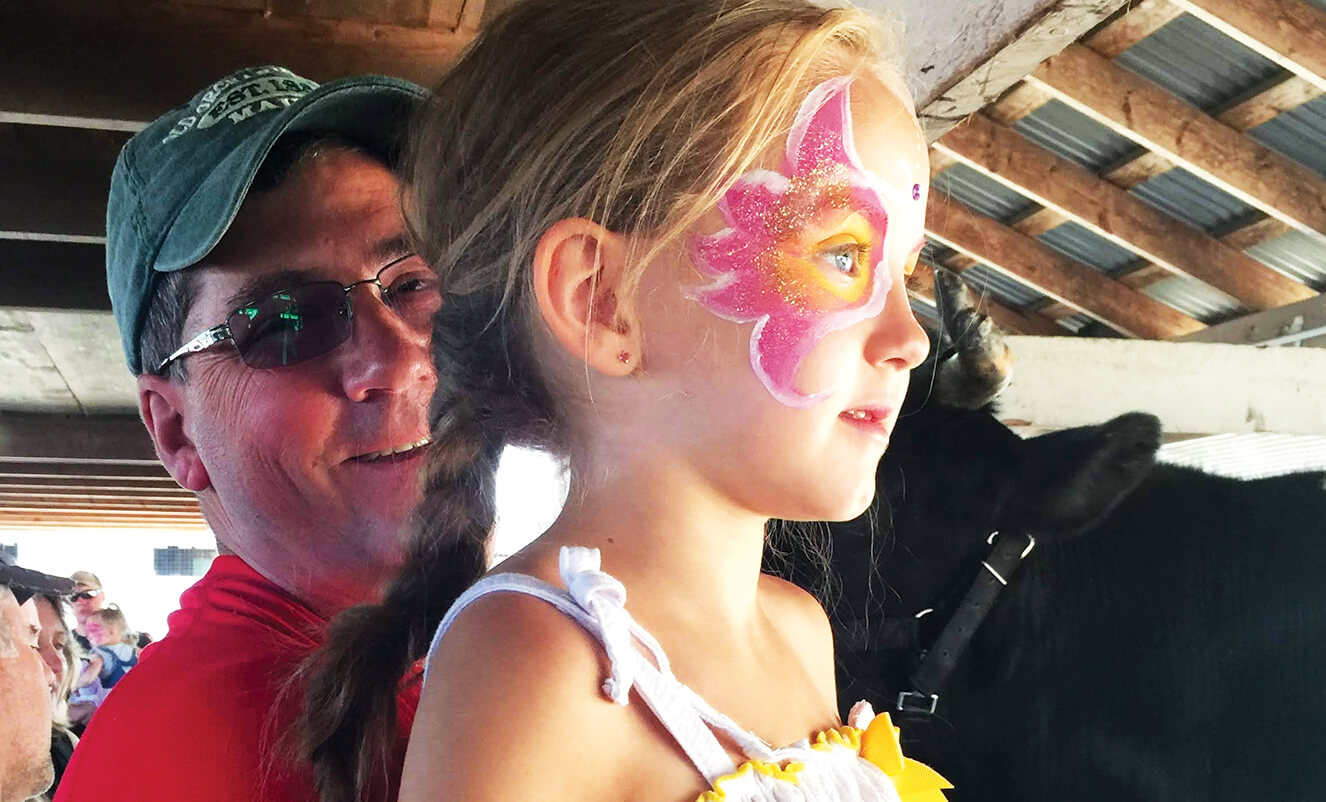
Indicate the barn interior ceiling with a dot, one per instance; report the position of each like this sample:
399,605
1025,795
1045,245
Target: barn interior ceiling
1152,170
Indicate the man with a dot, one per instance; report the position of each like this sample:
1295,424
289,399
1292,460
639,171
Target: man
88,598
26,683
279,325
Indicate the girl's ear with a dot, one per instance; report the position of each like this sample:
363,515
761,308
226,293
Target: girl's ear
578,270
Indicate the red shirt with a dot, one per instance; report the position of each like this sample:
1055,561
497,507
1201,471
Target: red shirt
202,717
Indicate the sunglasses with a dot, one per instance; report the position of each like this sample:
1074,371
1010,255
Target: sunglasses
84,595
308,320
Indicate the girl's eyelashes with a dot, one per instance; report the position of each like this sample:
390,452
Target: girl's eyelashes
846,258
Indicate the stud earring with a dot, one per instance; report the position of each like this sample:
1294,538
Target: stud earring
624,357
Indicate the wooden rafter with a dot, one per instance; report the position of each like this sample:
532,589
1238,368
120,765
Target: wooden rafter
1291,33
1052,26
30,437
53,275
1285,93
1140,21
922,285
1064,280
1137,109
1078,195
102,63
54,181
1282,96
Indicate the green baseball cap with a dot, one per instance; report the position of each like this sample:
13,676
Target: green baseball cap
179,182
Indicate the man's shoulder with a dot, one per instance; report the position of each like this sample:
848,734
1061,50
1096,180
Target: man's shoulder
198,722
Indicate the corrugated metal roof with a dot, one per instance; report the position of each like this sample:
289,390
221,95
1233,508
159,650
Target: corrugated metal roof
934,253
1075,323
980,192
1195,298
1004,288
1298,133
1074,136
1079,243
1197,63
1181,194
1249,456
1297,254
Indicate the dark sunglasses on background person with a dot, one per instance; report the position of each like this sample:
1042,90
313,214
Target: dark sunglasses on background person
84,595
308,320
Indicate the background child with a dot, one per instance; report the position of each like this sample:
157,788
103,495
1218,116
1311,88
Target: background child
107,661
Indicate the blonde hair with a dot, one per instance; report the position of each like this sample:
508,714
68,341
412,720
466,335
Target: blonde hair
110,616
637,114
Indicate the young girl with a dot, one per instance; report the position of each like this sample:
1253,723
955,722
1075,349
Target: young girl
675,236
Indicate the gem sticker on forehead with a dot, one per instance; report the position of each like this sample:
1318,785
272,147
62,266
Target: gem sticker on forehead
768,267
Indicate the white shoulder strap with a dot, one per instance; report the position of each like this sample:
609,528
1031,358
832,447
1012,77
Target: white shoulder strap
597,602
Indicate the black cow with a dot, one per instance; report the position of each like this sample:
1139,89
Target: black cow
1165,640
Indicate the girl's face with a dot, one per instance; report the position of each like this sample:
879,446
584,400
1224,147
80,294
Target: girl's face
782,326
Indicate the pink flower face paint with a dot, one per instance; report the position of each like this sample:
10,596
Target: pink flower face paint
768,267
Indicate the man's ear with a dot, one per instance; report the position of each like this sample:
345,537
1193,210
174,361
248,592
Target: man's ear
578,271
161,404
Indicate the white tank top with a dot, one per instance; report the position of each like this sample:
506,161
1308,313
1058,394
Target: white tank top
828,768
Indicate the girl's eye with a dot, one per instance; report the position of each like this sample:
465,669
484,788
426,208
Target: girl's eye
846,259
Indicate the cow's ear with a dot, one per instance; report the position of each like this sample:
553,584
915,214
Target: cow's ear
1072,479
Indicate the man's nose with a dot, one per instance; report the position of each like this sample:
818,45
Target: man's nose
385,354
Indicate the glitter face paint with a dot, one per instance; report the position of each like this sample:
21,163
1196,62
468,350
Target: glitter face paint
766,267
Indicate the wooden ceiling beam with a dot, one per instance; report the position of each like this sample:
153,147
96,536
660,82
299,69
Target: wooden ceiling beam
1137,23
29,437
922,285
16,469
1270,103
60,484
1003,155
36,274
1008,49
1126,29
68,520
121,63
54,181
1064,280
1137,109
136,504
1291,33
1305,322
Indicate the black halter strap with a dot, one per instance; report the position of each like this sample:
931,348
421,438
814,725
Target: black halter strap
940,659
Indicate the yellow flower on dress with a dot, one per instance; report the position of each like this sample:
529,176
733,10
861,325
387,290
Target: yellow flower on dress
915,781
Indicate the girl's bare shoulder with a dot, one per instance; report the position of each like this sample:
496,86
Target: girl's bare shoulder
513,709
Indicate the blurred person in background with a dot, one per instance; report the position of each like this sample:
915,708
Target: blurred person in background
62,654
89,597
27,683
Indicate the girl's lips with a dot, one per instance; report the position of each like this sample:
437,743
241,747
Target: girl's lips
873,420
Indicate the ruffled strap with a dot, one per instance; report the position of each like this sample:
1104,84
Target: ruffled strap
597,601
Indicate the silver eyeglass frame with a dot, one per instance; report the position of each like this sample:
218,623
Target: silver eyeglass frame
221,332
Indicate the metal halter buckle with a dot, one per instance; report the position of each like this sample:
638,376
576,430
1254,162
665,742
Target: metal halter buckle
914,702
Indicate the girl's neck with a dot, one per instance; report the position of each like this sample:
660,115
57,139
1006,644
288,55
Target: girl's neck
676,544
